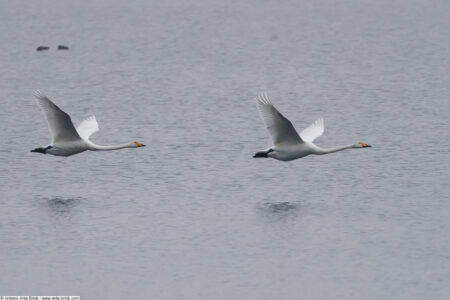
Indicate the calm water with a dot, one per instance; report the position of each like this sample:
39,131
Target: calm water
193,216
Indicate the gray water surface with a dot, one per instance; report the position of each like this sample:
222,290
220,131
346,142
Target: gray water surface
193,216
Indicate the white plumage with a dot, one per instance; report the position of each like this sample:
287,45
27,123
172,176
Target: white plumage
313,131
87,127
65,139
59,123
279,127
287,143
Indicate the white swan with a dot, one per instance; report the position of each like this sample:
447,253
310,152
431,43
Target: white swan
66,140
287,143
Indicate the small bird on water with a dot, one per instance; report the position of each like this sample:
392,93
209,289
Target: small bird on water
42,48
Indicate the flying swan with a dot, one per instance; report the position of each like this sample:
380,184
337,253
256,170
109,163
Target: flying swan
66,140
287,143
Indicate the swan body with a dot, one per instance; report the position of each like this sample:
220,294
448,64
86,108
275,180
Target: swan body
66,139
287,143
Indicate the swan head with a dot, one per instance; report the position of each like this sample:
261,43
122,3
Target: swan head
361,145
137,145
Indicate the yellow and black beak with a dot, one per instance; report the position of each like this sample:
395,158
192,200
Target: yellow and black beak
139,144
365,145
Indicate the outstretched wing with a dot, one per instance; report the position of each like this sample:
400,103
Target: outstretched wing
59,123
279,127
88,127
313,131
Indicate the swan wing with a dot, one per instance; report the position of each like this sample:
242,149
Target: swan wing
313,131
88,127
59,123
279,127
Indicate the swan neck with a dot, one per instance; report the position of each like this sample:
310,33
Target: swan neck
333,149
96,147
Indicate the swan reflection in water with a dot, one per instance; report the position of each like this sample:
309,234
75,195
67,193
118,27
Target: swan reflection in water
62,205
279,207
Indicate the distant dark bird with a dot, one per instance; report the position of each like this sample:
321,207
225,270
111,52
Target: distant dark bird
42,48
62,47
